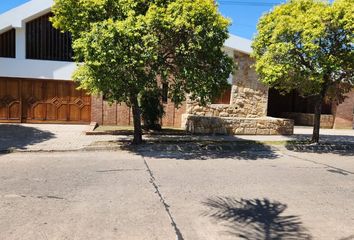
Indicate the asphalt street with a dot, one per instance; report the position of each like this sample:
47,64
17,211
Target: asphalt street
137,195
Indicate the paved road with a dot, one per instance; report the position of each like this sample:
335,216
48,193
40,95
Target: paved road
137,195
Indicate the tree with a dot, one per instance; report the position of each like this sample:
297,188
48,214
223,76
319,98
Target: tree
124,47
307,45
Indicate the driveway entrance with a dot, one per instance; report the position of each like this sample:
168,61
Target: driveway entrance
48,137
43,101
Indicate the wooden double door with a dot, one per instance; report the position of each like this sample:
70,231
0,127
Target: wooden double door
43,101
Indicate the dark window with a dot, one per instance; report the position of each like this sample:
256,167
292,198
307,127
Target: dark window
45,42
8,44
164,92
225,96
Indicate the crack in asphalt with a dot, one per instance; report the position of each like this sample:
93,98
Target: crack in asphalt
41,197
163,201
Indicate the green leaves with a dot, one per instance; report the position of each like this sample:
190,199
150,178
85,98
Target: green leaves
306,45
127,46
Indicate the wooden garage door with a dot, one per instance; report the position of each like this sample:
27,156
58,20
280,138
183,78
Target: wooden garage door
39,101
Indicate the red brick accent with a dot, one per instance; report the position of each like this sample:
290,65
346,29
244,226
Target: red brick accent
344,112
96,109
124,115
109,113
119,114
173,116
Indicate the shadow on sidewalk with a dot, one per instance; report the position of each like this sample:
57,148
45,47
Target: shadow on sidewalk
14,136
240,150
334,147
325,138
256,219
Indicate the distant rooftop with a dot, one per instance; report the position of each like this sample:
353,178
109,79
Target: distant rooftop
239,44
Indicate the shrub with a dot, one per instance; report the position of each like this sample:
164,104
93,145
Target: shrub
151,109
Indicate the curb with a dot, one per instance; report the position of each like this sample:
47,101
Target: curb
91,128
86,149
158,146
208,146
321,148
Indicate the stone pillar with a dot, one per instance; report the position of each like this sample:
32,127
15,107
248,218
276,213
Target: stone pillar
343,115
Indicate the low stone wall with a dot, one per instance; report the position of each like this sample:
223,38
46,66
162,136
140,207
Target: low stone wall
238,126
307,119
252,109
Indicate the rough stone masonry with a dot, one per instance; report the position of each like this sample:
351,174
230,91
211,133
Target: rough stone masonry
246,113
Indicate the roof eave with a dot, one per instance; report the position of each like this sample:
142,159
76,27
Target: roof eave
17,17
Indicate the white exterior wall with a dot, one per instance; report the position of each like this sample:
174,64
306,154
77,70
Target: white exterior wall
20,67
40,69
17,17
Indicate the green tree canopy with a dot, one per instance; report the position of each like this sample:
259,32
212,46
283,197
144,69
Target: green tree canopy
127,46
307,45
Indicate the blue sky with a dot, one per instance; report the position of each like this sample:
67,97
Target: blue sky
244,13
8,4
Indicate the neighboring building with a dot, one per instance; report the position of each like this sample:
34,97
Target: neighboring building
36,87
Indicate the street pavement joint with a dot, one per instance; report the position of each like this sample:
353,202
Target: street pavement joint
179,235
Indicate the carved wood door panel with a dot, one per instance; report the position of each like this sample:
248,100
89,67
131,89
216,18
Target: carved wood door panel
54,101
43,101
10,100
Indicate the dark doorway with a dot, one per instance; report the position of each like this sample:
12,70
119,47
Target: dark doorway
292,102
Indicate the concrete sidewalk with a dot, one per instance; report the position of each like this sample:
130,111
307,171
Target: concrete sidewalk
52,137
47,137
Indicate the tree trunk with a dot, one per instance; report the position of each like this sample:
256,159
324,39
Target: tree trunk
317,118
138,133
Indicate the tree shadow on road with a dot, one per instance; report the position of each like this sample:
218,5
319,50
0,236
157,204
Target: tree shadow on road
242,150
256,219
14,136
339,148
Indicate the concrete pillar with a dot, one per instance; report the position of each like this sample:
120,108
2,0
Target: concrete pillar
21,43
343,115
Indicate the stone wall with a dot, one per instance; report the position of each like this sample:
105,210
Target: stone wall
239,126
247,112
249,98
307,119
